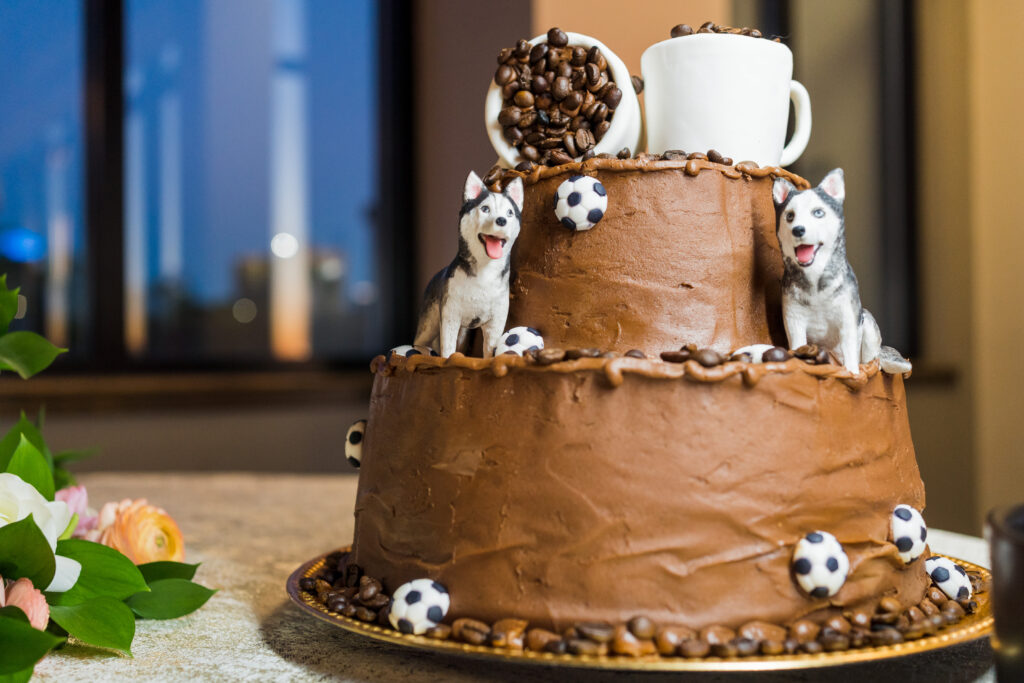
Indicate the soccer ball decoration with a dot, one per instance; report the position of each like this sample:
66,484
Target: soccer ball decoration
908,532
820,564
580,202
519,340
407,351
418,606
949,577
354,443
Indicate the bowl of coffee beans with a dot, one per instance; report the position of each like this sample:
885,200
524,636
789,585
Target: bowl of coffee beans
559,98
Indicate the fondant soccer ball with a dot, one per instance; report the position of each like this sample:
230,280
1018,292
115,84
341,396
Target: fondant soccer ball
418,605
820,564
908,532
949,577
755,351
580,202
519,340
354,443
408,351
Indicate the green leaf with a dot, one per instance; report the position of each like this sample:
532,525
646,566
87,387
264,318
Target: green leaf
62,478
103,622
155,571
25,552
65,457
21,646
170,599
8,304
26,353
12,612
105,573
13,437
18,676
29,464
70,528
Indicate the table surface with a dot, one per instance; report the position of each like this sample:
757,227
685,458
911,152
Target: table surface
251,531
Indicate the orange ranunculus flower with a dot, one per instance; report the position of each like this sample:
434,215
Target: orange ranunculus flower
141,531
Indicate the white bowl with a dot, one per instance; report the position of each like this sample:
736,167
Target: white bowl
626,125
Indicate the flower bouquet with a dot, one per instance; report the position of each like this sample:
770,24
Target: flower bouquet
67,573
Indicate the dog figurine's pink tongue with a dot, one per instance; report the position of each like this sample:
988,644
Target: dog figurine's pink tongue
493,245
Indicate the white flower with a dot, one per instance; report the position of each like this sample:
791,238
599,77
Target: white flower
18,500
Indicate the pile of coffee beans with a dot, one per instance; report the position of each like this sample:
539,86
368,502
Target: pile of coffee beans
682,30
558,99
342,588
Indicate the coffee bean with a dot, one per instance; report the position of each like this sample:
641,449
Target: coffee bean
308,584
336,602
352,574
613,98
714,156
592,73
717,634
762,630
835,642
700,156
745,647
953,608
914,613
635,353
556,647
505,54
349,610
823,357
754,33
861,619
470,631
508,633
550,143
534,138
776,354
600,129
708,26
858,637
513,135
549,356
693,648
594,56
537,639
727,161
509,90
560,88
582,646
525,166
772,647
625,643
504,74
571,103
675,356
528,118
569,142
439,632
804,630
522,49
524,98
790,645
557,38
558,158
365,614
509,116
584,139
680,30
377,601
597,631
322,589
889,604
839,625
640,626
540,85
709,358
888,636
538,52
667,639
638,84
724,649
675,154
812,647
382,617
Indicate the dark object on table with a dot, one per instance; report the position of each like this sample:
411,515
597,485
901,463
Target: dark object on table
1005,531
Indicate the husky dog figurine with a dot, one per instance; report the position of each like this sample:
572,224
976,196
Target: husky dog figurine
472,291
820,298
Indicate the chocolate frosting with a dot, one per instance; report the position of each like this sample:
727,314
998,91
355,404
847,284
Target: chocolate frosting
604,488
686,253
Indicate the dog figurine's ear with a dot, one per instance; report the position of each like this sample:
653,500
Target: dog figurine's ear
834,185
474,186
514,190
781,191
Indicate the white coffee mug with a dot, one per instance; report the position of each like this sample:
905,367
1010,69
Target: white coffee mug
725,92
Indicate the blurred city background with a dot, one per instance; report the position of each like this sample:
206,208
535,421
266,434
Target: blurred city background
225,208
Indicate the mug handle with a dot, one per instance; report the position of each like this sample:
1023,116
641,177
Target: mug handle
801,123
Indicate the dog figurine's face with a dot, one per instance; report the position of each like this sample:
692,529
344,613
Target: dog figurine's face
810,223
489,221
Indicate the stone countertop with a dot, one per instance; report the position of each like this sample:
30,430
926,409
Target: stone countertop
251,531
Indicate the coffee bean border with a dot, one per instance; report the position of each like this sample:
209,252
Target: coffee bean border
342,588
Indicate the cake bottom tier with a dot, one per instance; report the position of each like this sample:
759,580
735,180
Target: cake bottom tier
599,489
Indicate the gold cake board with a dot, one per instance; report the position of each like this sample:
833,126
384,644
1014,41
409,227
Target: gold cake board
971,627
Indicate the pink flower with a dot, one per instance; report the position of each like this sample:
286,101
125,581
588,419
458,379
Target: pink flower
77,499
26,597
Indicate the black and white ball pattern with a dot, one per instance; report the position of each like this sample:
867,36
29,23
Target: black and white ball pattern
908,532
820,564
519,340
950,577
408,351
580,202
354,443
418,605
